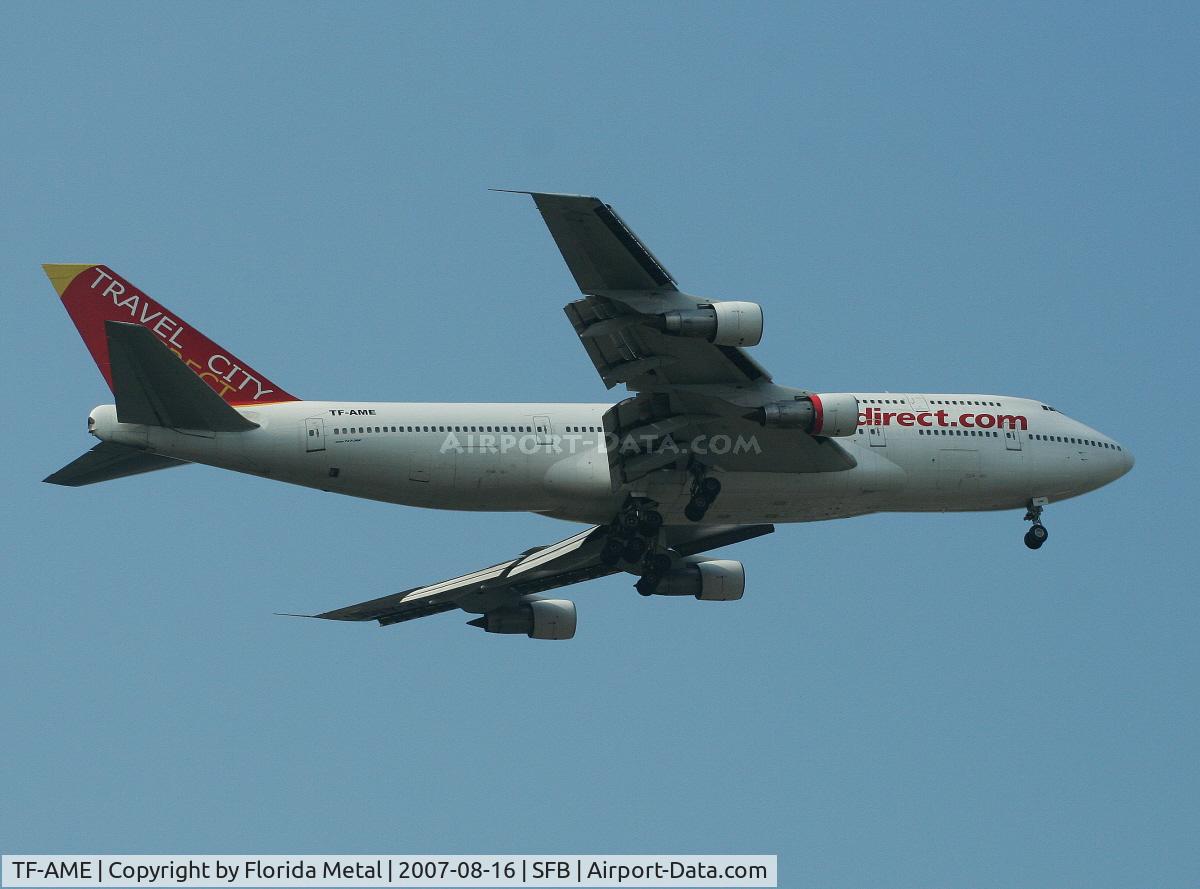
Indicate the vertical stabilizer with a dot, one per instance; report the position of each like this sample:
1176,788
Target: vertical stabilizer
95,294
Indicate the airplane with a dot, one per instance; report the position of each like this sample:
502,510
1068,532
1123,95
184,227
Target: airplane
707,450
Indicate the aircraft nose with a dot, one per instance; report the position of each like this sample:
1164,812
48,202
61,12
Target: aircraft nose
1119,464
1126,459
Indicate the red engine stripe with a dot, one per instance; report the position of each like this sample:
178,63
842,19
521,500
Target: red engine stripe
818,414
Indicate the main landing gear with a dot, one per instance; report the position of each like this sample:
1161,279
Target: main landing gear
633,534
654,566
1037,534
705,489
633,538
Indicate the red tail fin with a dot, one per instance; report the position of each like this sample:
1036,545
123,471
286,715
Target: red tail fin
94,294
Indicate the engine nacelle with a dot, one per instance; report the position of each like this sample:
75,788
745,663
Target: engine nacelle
536,618
712,580
726,323
835,415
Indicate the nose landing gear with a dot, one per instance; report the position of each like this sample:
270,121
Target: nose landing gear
1036,535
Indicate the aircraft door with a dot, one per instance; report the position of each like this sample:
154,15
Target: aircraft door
541,426
1012,439
877,436
314,434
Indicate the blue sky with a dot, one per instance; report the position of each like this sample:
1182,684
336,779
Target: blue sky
923,197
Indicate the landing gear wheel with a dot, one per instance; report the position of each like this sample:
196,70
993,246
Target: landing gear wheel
611,554
694,512
652,520
710,487
656,563
1037,534
634,550
629,519
647,585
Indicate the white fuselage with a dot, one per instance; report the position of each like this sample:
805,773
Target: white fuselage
913,453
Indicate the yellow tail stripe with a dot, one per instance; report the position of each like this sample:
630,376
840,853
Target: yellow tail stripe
62,274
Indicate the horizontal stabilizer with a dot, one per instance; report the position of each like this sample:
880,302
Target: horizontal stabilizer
154,388
107,461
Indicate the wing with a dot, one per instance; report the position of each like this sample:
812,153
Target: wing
626,290
534,571
506,586
601,251
686,386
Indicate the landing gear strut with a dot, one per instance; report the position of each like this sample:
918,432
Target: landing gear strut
705,489
1037,534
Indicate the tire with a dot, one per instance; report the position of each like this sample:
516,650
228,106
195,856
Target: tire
634,550
1039,533
629,519
611,554
657,564
1033,542
710,487
647,585
693,512
651,522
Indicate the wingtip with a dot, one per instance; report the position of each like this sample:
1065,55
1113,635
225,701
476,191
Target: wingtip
61,274
545,194
293,614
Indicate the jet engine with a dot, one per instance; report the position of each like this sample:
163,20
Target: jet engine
835,415
713,580
536,618
726,323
